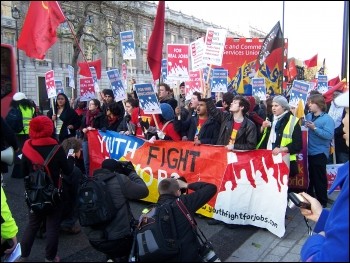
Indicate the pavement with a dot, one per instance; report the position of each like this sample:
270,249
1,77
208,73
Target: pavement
243,244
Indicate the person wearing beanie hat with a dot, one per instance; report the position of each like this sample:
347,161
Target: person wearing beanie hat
115,238
331,232
27,108
282,133
282,101
35,150
167,112
166,129
19,96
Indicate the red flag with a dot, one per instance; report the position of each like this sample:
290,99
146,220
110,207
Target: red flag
85,70
293,72
39,28
155,43
334,81
328,95
312,62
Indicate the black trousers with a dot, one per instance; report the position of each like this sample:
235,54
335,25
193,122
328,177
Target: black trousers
318,182
118,249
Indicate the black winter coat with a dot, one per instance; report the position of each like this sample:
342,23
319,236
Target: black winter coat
189,244
246,138
133,188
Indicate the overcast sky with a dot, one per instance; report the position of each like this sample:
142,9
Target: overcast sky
311,27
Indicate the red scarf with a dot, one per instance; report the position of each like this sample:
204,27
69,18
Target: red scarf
112,120
90,115
33,155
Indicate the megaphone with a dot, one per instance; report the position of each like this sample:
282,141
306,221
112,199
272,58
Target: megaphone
8,155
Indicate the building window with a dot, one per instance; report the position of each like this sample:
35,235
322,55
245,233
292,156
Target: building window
67,52
6,8
110,57
185,40
172,39
144,36
9,38
89,20
145,63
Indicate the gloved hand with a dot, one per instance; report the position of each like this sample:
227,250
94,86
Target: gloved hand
125,167
161,135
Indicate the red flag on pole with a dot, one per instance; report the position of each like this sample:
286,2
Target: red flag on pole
312,62
85,70
293,72
39,28
334,81
328,95
155,43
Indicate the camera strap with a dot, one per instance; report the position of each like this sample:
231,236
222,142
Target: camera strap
191,220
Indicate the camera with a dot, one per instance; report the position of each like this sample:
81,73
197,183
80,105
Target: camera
207,253
299,201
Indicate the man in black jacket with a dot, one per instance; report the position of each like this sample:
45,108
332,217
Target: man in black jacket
115,238
170,189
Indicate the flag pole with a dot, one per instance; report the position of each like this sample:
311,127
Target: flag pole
283,43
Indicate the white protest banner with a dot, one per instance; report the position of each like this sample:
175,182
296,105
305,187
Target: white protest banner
59,86
128,44
259,88
117,85
50,84
148,99
94,77
197,51
87,90
219,80
71,76
195,83
214,46
178,62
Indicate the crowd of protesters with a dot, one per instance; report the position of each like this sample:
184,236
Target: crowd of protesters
236,122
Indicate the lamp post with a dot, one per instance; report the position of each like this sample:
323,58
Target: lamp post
16,14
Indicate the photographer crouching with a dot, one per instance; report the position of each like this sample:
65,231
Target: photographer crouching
171,190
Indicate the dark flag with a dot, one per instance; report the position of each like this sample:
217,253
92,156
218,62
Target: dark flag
155,43
322,69
272,41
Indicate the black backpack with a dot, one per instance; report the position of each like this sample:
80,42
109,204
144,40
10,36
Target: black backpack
41,194
95,205
155,235
14,119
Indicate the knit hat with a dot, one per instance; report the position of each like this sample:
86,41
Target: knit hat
342,100
282,101
167,111
110,164
19,96
40,127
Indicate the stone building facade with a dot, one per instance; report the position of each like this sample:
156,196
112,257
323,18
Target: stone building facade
102,27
